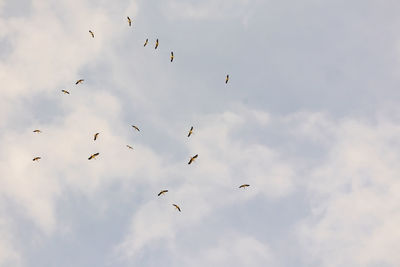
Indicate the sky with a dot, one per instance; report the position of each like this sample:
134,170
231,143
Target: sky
309,119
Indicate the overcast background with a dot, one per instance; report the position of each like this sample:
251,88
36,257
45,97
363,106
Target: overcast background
310,119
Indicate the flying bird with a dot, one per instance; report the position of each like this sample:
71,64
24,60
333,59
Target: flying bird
37,131
172,56
244,186
65,92
227,78
136,128
79,81
129,21
190,131
129,147
36,158
91,33
93,156
193,158
145,43
95,136
156,44
162,192
177,207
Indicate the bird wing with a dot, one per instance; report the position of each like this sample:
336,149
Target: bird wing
227,79
129,146
136,128
162,192
95,136
91,33
176,206
156,44
195,156
129,21
145,43
190,161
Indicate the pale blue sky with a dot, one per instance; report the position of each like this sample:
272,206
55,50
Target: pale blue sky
309,119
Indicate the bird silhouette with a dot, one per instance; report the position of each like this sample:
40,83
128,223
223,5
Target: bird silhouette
93,156
193,158
162,192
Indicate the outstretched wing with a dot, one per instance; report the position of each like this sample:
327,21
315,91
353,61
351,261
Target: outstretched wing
95,136
145,43
91,33
190,131
136,128
177,207
162,192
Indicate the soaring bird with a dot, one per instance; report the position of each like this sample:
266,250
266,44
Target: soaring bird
129,21
162,192
145,43
93,156
244,185
136,128
91,33
95,136
193,158
172,56
79,81
37,131
128,146
36,158
156,44
227,78
177,207
65,92
190,131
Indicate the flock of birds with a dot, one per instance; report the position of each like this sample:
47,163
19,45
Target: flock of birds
96,135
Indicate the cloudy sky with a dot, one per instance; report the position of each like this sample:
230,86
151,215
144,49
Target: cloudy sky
309,118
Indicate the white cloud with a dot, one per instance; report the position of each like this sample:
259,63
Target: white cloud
355,197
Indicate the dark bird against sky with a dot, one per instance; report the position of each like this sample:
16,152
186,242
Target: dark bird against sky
93,156
177,207
162,192
193,158
190,131
135,127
